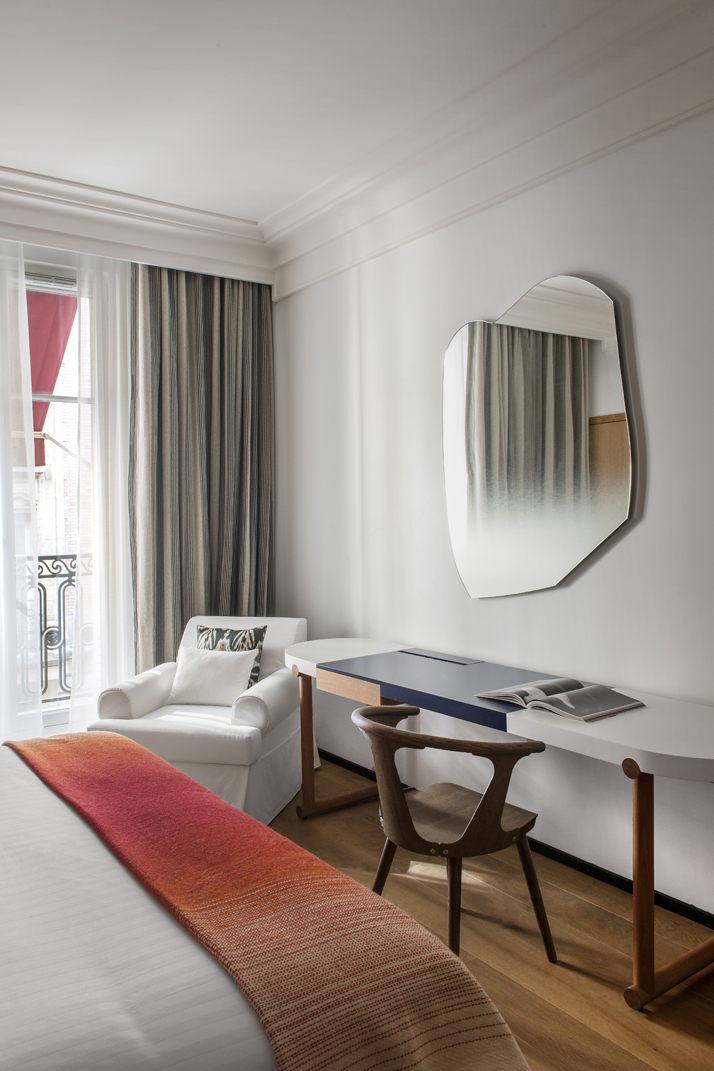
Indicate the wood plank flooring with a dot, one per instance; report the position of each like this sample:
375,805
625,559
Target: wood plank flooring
568,1016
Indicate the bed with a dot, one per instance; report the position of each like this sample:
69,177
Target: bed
98,975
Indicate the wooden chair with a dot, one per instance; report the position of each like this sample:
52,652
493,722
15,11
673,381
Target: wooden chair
448,820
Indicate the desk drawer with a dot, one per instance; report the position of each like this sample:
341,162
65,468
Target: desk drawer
366,692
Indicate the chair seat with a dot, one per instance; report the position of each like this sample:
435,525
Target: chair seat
190,733
191,712
441,812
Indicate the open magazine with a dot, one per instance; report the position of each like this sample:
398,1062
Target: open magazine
567,697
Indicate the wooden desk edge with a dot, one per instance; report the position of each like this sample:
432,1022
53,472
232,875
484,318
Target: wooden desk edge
365,692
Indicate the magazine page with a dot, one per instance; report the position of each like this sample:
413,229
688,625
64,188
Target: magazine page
595,701
522,694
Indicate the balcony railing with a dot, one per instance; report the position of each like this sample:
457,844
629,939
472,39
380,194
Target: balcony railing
56,587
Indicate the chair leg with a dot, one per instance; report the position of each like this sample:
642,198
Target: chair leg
524,852
453,873
384,864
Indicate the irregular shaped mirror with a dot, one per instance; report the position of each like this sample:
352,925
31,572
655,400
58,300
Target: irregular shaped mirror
537,453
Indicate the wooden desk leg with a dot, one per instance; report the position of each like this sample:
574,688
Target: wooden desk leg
648,983
642,989
306,744
311,806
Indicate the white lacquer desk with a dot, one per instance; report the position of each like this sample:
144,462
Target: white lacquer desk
666,738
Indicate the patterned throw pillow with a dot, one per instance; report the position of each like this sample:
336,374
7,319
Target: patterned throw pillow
234,639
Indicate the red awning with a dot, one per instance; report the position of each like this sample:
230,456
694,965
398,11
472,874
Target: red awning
50,318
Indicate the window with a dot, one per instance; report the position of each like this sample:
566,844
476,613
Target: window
66,608
54,357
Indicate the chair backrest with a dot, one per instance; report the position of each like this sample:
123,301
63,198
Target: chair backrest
484,832
282,632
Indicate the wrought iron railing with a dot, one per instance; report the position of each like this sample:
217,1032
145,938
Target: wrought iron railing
56,572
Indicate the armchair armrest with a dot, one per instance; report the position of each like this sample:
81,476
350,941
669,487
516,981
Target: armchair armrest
139,696
268,702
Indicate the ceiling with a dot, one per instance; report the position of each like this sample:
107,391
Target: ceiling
240,107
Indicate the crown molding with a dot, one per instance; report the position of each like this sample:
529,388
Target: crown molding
41,210
629,72
553,308
632,71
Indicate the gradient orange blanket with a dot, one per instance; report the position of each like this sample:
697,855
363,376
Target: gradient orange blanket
340,979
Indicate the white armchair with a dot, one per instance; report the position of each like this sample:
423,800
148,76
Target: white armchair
249,753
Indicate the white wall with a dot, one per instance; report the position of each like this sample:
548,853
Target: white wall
363,545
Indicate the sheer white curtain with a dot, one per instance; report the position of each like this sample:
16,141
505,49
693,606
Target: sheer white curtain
19,631
103,634
103,651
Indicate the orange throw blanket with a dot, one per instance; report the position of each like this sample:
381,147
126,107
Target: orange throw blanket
340,979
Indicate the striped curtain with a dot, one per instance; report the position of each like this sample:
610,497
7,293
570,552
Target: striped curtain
201,483
526,427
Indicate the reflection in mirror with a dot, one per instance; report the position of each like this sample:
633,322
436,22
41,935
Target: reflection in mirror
537,453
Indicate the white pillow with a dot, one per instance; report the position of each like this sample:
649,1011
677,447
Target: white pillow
215,678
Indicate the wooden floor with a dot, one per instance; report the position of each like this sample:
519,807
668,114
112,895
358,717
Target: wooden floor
568,1016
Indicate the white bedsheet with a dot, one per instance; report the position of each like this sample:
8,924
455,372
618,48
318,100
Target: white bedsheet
94,974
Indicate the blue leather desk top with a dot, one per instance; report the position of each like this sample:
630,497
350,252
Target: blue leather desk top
428,680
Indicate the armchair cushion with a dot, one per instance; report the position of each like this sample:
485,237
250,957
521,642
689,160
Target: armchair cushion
268,702
233,639
190,733
139,695
282,632
213,677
